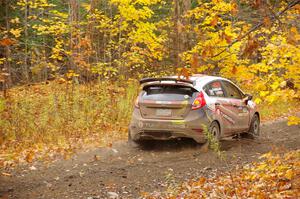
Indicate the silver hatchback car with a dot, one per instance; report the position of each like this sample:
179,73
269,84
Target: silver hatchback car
169,107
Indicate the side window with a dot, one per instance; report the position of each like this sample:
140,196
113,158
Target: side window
214,89
232,91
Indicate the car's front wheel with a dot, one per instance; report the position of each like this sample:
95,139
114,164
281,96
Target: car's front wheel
254,129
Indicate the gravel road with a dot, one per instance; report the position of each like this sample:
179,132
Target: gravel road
123,171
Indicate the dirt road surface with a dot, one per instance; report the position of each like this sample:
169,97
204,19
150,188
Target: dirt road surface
123,171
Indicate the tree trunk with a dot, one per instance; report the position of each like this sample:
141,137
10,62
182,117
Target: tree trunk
7,49
73,21
25,65
177,34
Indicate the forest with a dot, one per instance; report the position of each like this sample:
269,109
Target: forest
69,69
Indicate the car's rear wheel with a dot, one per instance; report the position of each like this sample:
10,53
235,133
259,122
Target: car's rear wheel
255,126
214,129
132,142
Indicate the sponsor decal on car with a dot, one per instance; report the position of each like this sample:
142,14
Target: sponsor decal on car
178,121
178,124
227,117
251,104
163,102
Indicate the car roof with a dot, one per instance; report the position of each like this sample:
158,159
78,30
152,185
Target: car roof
202,79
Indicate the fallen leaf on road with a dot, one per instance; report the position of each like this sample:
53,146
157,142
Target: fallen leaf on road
115,150
112,195
32,168
29,157
48,184
96,158
81,174
6,174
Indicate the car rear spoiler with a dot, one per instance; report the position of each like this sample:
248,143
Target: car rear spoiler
160,79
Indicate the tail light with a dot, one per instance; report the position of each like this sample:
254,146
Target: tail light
136,103
199,102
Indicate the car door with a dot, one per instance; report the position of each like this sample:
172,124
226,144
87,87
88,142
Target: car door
219,105
237,106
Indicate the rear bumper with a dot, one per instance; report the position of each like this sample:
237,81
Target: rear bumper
158,129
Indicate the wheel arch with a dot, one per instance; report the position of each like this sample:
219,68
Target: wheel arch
219,124
256,113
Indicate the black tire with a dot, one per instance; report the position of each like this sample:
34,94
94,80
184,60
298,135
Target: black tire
214,129
129,140
132,142
254,129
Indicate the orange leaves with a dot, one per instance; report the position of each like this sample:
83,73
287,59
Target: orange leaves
214,21
207,51
226,37
297,7
84,43
30,156
6,42
184,72
195,61
275,176
294,30
234,70
267,22
256,3
200,181
234,9
293,37
251,46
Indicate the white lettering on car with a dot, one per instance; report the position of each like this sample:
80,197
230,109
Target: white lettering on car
227,117
163,102
251,104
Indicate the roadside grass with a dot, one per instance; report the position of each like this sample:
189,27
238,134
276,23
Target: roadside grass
39,121
278,109
47,120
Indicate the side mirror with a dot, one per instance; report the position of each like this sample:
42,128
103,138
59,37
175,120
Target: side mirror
247,98
250,97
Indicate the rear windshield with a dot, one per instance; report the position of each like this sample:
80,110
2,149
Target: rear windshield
168,89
